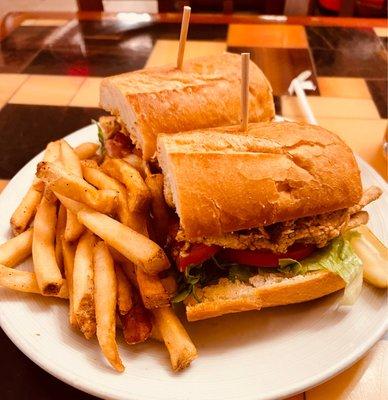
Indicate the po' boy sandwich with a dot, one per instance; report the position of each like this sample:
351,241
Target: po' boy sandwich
204,93
264,216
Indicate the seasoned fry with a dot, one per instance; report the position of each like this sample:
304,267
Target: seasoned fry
136,162
151,289
124,292
83,287
134,246
59,230
76,188
27,207
25,281
139,194
181,348
25,211
86,150
17,249
105,294
170,285
68,251
102,181
159,208
46,268
72,164
137,323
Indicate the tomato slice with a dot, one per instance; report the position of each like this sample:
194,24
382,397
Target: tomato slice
198,253
263,258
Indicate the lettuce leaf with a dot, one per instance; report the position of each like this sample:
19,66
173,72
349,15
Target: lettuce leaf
339,258
100,137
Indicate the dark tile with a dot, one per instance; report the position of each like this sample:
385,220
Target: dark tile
25,131
278,105
26,38
37,384
14,61
90,63
280,65
378,89
112,35
350,63
347,52
336,38
384,41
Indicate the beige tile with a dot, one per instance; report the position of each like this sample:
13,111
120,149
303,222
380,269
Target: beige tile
165,51
88,94
51,90
331,107
367,379
275,36
44,22
364,136
9,83
383,32
355,88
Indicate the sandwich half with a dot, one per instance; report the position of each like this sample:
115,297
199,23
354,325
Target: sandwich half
205,93
264,218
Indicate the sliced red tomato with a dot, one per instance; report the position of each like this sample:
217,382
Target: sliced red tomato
263,258
198,253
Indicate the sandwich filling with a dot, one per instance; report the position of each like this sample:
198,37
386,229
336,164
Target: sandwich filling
284,249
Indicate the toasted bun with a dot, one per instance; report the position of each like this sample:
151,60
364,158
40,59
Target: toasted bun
268,290
205,93
221,180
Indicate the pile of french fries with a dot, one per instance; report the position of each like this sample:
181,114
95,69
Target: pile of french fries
86,221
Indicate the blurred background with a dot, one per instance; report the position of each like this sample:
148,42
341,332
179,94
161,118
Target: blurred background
360,8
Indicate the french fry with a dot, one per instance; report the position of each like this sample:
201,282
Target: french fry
86,150
25,281
139,194
48,274
27,207
179,345
25,211
76,188
59,230
72,164
170,285
17,249
105,294
102,181
83,287
150,287
136,162
137,323
159,208
134,246
124,292
68,251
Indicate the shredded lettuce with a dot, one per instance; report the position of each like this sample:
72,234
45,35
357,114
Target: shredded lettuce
100,137
339,258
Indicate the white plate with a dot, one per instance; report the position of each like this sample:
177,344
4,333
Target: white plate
255,355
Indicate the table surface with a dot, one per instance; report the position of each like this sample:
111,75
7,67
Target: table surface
51,66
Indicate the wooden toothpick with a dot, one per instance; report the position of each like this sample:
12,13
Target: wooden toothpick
183,35
244,91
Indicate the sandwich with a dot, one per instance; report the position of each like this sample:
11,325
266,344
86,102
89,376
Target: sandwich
263,218
204,93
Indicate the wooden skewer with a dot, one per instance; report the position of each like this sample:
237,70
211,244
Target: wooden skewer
244,90
183,35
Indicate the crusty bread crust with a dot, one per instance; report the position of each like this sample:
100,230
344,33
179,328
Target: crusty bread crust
223,181
205,93
228,297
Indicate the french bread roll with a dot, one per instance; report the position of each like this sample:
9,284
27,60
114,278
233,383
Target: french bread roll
264,290
222,180
205,93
